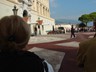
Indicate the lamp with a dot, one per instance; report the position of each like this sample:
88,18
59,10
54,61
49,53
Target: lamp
15,10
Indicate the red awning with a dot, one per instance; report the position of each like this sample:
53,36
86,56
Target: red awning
39,22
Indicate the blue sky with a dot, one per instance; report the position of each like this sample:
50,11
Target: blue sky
71,9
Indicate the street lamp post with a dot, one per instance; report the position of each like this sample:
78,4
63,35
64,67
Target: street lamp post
15,10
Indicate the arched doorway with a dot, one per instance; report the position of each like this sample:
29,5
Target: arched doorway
25,15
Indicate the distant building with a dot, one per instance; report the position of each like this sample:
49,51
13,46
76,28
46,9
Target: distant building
38,11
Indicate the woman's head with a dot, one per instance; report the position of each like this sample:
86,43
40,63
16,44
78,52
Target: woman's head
14,32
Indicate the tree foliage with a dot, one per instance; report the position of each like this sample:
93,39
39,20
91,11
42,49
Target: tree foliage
92,15
82,25
85,18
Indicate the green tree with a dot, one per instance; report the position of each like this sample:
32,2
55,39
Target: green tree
85,18
92,16
82,25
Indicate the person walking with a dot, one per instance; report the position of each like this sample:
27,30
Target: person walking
35,30
72,31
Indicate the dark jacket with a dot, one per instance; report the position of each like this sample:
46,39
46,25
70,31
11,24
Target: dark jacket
20,61
72,30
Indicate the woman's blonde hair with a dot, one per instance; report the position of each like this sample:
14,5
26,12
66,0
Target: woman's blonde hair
14,32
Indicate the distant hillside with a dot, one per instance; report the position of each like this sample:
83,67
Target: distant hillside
67,21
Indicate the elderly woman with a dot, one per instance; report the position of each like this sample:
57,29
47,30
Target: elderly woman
14,36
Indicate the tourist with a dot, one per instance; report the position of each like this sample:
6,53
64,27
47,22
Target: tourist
14,37
72,31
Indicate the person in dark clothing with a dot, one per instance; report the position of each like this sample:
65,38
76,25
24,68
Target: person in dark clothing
94,24
72,31
14,37
25,16
35,30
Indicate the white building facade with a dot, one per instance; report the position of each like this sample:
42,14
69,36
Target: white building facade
38,10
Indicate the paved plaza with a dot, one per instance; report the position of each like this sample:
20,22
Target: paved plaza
59,49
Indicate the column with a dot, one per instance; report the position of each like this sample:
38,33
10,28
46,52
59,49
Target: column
47,12
37,7
41,9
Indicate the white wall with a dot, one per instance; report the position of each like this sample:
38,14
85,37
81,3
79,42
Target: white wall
5,8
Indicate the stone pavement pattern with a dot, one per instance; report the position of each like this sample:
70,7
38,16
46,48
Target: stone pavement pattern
61,43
